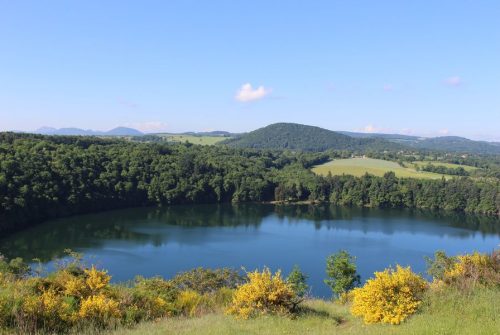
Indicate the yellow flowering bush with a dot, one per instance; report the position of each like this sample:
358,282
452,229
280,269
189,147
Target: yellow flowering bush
96,280
390,297
192,303
99,309
471,269
48,309
75,286
188,302
264,293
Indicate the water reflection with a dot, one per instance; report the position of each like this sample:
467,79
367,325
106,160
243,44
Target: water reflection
159,226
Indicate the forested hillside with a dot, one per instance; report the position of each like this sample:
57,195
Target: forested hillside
301,137
458,144
443,143
43,177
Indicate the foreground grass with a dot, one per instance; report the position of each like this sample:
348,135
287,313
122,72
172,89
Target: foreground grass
446,312
360,166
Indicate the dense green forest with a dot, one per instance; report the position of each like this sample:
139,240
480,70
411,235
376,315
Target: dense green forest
51,176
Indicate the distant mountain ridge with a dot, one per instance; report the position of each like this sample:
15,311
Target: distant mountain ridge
382,135
118,131
443,143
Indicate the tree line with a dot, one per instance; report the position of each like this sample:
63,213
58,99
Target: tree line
441,169
43,177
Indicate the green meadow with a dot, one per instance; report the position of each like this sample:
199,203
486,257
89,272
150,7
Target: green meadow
194,139
360,166
450,312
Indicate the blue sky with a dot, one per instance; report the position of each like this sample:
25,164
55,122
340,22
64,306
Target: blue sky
417,67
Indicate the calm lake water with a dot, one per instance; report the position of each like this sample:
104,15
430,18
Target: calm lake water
152,241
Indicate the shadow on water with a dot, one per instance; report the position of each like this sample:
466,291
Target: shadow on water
48,240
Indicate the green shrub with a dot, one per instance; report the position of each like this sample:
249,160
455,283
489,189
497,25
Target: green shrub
166,289
15,266
439,265
298,281
342,273
207,280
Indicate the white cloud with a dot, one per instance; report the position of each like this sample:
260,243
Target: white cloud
246,93
149,126
454,81
373,129
369,129
443,132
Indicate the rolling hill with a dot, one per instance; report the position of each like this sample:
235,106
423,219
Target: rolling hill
302,137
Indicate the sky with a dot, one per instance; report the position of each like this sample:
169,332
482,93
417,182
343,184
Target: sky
428,68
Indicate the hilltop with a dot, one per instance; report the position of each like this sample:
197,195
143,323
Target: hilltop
302,137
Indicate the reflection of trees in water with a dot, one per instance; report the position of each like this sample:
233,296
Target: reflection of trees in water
481,223
321,213
48,240
213,215
147,225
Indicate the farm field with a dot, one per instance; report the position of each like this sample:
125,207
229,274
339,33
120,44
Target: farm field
360,166
203,140
448,165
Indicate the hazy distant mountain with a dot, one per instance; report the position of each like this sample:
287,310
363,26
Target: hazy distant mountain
444,143
302,137
119,131
380,135
458,144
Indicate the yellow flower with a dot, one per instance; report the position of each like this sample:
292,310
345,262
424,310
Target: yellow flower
96,280
188,302
75,286
465,263
264,293
99,308
390,297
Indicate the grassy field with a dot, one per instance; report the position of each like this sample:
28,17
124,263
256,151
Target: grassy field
448,312
377,167
203,140
448,165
